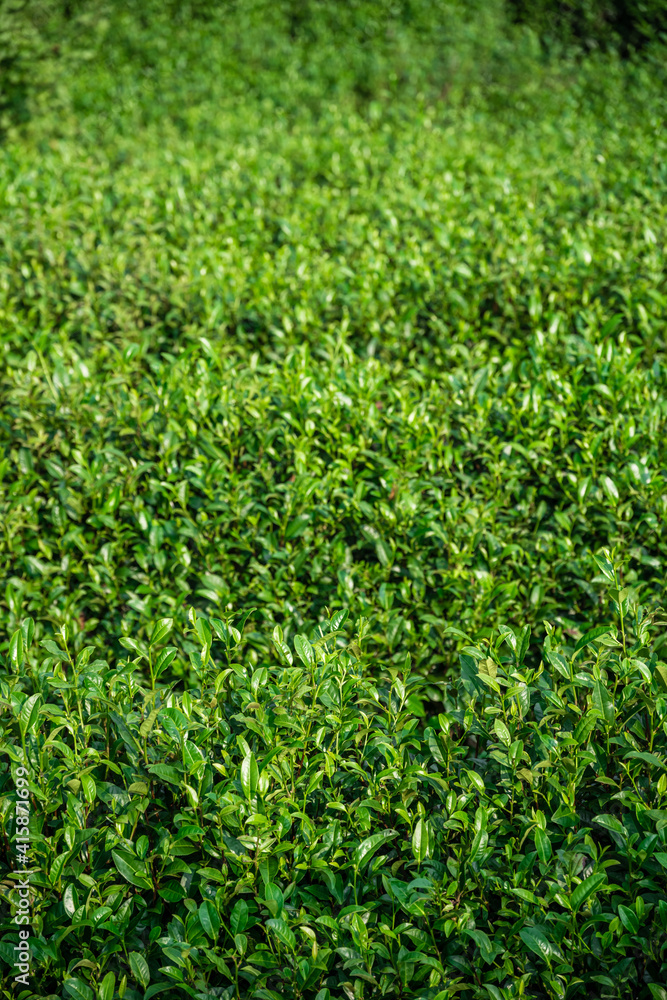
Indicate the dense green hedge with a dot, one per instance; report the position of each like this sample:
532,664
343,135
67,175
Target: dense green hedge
296,826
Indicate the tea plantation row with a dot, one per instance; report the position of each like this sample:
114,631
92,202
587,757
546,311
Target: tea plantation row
274,353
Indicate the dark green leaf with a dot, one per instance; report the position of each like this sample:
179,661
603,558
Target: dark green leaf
367,848
249,775
590,636
139,967
538,942
78,989
161,630
586,889
16,648
107,987
629,919
131,870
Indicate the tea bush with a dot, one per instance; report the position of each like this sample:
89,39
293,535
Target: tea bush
305,333
300,826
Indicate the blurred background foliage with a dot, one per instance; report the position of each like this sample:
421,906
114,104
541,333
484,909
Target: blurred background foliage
312,305
304,51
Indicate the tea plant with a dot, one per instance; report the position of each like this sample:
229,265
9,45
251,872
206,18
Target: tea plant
364,326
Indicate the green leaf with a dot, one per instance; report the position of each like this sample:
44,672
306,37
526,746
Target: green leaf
602,702
605,566
586,725
475,780
483,942
16,648
127,736
131,870
338,619
542,845
282,931
304,650
70,899
296,527
227,633
89,787
502,732
107,987
30,712
586,889
592,634
629,919
383,551
83,658
204,634
209,918
481,818
161,630
166,773
78,989
283,650
610,822
148,723
420,840
129,643
648,758
661,675
249,775
610,488
367,848
238,920
539,943
523,642
28,632
273,898
164,660
515,752
139,967
244,618
479,843
453,630
158,988
583,486
193,757
527,896
54,650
